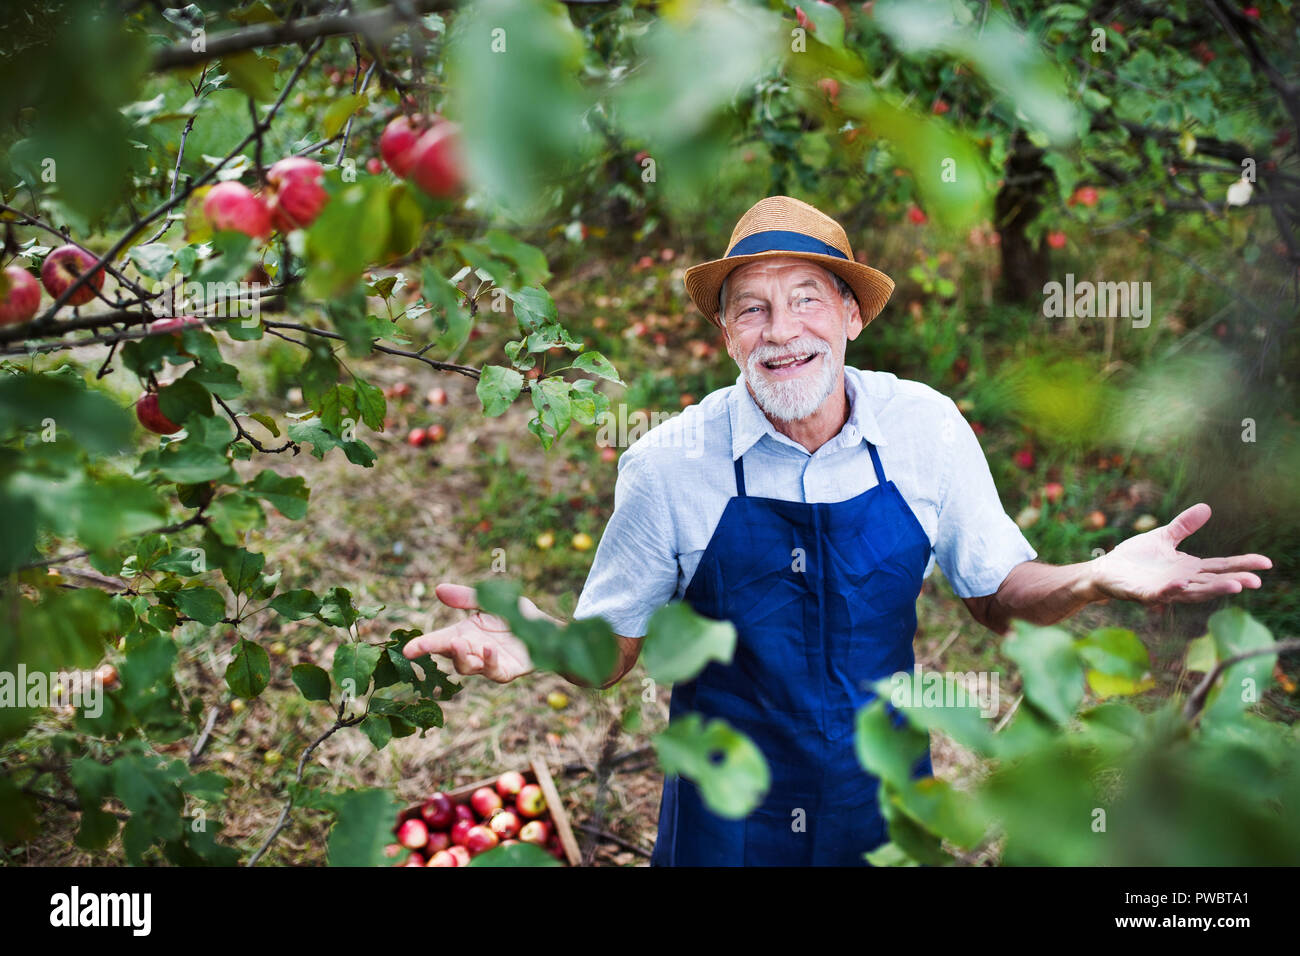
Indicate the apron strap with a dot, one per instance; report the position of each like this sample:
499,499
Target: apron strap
875,460
740,477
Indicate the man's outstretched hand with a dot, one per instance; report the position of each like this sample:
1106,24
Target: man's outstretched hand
481,643
1150,569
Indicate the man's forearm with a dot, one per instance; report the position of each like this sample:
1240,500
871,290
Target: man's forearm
1042,594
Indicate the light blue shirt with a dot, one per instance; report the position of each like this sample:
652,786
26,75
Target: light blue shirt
674,482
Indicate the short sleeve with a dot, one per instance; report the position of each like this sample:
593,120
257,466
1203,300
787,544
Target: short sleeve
634,572
977,543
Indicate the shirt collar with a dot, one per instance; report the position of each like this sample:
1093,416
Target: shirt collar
749,423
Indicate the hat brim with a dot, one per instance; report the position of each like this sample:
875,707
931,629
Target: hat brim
871,286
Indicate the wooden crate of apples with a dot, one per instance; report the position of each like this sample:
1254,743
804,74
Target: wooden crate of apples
518,806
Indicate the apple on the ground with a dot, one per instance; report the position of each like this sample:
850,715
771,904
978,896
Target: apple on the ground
443,858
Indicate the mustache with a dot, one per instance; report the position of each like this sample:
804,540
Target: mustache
805,346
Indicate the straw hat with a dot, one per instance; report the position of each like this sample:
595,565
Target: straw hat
782,226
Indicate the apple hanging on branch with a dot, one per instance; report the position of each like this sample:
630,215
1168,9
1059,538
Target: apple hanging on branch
20,298
151,416
295,191
233,206
64,266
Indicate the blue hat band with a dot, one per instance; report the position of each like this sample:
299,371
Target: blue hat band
782,240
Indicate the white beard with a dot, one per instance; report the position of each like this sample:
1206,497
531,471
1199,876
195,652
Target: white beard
798,398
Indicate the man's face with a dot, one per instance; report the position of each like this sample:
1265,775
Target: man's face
787,329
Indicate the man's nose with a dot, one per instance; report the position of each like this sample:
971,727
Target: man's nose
784,326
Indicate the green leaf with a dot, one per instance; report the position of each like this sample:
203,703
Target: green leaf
353,666
288,495
534,307
205,605
680,643
887,748
1050,666
296,605
252,73
517,854
250,670
93,420
726,766
521,107
497,388
154,259
363,828
371,404
551,399
336,608
596,364
336,117
313,681
1242,685
378,729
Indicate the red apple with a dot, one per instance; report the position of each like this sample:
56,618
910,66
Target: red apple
437,396
443,858
235,207
510,783
1083,196
1053,491
20,298
1095,521
414,860
485,802
64,266
480,839
1056,239
460,829
393,850
151,416
460,854
416,437
504,824
463,812
413,834
535,831
1024,458
107,676
915,215
296,193
531,803
397,142
608,455
830,87
438,811
435,433
436,167
438,840
374,166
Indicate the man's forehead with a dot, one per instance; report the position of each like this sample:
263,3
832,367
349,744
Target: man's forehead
784,269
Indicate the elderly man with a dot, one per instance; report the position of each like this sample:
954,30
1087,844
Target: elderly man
813,502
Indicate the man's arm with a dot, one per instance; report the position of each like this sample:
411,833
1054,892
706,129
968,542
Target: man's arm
1036,592
1146,568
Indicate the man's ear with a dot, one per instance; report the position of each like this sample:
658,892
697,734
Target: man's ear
853,325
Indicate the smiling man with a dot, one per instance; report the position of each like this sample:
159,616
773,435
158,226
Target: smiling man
814,501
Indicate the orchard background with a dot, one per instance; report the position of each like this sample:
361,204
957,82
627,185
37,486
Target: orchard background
376,379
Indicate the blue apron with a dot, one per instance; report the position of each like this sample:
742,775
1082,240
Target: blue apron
810,642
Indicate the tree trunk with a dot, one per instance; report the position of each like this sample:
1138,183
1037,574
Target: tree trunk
1024,265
